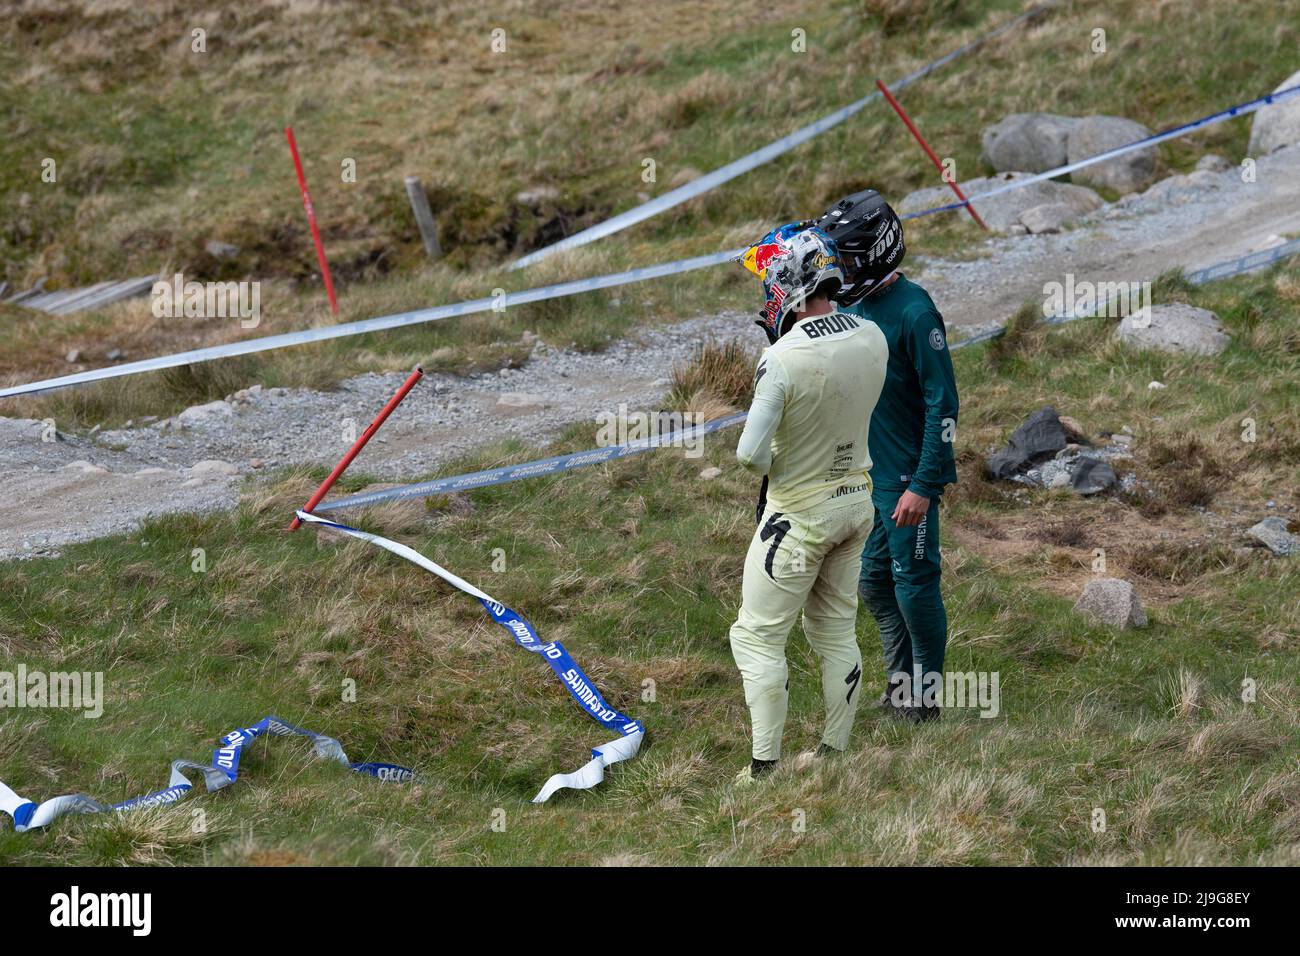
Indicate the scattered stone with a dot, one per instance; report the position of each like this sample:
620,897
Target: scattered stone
1091,476
1178,190
1049,217
1004,211
520,400
213,468
1275,534
256,463
537,196
1174,327
1112,601
114,355
221,250
199,414
74,355
149,472
1155,386
1277,125
1027,142
708,474
1129,173
1213,163
85,467
1122,438
1040,435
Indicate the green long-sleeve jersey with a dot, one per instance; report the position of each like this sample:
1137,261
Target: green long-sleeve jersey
915,420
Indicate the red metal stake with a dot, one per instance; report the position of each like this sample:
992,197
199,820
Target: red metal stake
311,221
360,443
929,152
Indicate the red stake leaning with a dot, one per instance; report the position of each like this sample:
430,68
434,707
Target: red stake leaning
311,221
359,444
943,173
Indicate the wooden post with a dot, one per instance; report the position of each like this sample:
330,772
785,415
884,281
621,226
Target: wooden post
423,216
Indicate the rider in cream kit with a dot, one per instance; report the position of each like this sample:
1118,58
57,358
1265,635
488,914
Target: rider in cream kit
807,435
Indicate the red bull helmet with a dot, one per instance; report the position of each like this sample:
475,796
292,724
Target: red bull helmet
795,261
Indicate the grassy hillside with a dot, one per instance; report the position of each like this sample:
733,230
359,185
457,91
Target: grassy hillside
636,568
161,149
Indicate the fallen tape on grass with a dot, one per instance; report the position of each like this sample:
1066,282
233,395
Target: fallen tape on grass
723,174
222,772
579,686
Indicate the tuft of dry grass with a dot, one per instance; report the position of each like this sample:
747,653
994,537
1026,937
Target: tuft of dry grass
720,374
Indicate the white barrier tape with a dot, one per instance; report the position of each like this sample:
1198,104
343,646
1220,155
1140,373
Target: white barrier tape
378,324
766,154
574,287
1242,109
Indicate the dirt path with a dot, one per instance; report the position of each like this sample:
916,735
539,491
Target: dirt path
78,488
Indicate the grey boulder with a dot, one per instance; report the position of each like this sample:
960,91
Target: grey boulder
1093,135
1273,533
1003,212
1277,125
1027,142
1174,327
1112,601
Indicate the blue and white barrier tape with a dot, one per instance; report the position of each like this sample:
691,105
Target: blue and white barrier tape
579,686
533,469
766,154
1241,109
596,456
222,772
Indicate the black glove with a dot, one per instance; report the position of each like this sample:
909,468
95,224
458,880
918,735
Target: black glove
762,502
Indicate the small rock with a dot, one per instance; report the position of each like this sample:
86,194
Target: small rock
1273,532
1155,386
1112,601
213,468
1212,163
520,400
220,250
1122,439
536,196
115,354
1048,217
708,474
149,472
85,467
256,463
1174,327
73,355
1027,142
198,414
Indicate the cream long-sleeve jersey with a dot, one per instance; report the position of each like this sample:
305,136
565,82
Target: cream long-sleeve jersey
814,391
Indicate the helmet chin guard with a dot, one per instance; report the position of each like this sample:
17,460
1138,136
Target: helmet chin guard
869,236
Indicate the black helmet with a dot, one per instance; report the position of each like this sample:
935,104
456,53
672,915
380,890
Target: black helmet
869,236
